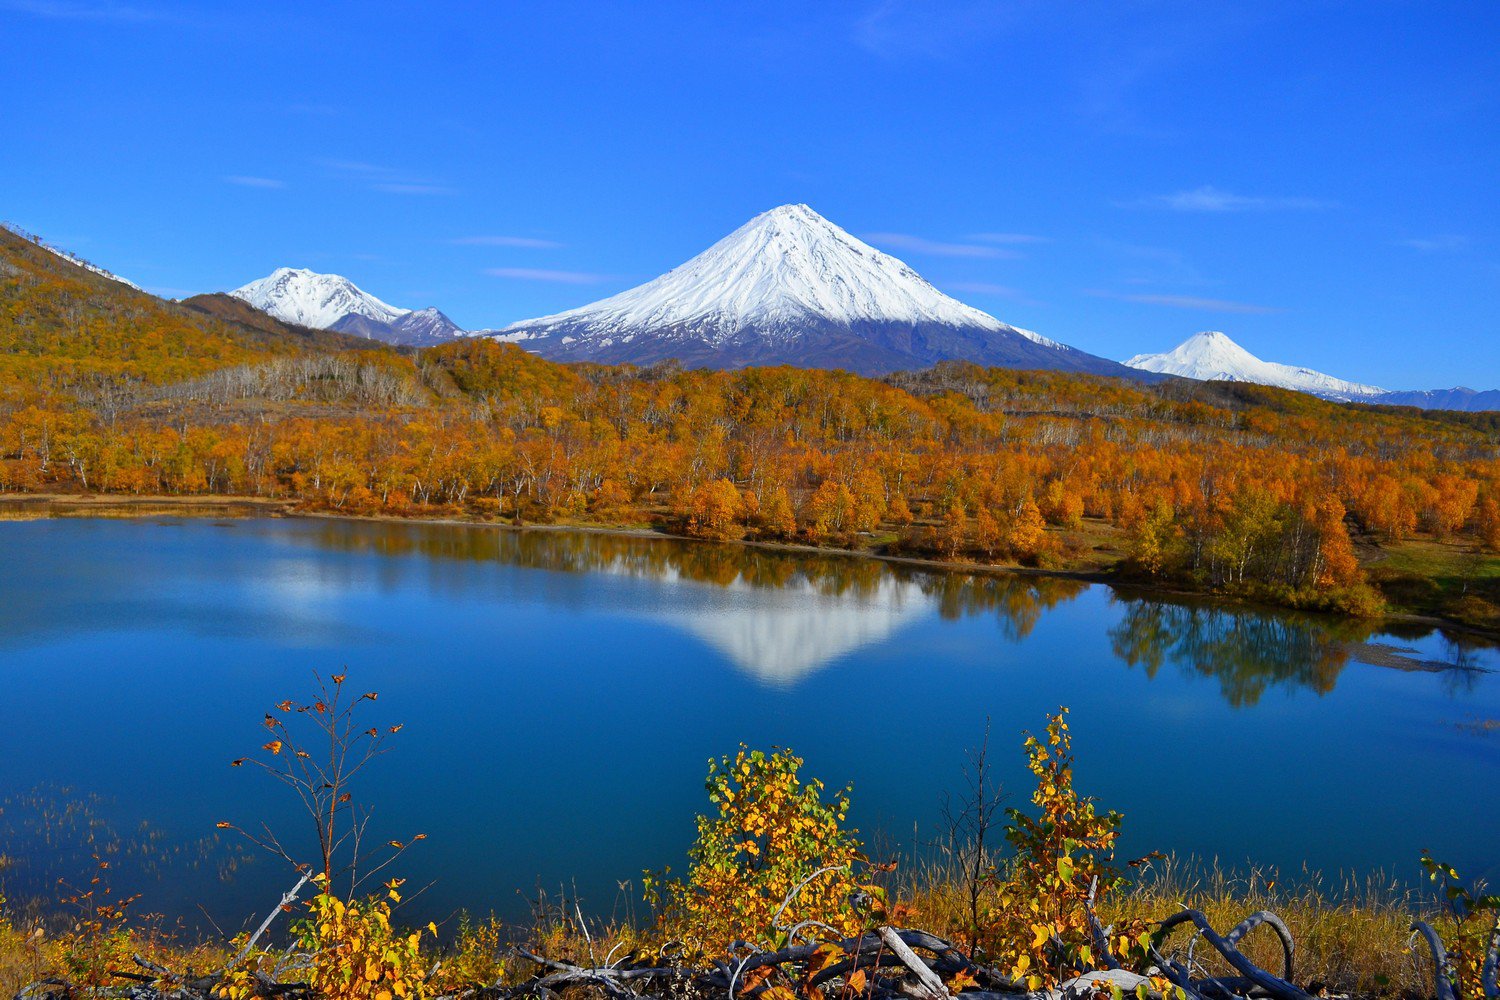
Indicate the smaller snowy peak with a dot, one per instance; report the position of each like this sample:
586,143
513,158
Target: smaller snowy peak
1207,355
1212,355
427,326
298,295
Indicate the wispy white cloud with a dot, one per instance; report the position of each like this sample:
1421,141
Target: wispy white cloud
356,168
254,182
80,11
404,187
919,244
896,28
1009,239
1188,302
990,288
1150,266
983,288
1444,243
1211,199
387,180
525,242
544,274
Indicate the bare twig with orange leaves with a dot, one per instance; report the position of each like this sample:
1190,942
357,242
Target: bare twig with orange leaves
322,772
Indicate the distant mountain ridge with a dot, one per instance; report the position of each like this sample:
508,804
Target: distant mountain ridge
1213,356
1457,398
790,287
333,302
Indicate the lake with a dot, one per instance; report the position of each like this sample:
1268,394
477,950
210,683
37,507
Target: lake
561,693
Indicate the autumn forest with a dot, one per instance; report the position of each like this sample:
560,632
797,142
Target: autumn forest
1221,487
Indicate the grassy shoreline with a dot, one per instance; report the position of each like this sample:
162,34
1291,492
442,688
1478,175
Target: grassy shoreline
1353,940
29,506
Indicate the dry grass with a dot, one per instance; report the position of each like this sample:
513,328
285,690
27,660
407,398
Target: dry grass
1352,935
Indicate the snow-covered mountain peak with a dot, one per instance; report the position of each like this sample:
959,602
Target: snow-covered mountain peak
1214,355
791,288
299,295
776,272
1211,354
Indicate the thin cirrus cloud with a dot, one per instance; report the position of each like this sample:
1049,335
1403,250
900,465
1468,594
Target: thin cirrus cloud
72,11
524,242
407,187
387,180
936,248
984,288
268,183
1211,199
1008,238
894,29
546,274
1189,302
1445,243
990,288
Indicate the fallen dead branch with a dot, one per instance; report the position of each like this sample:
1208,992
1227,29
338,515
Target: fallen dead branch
887,963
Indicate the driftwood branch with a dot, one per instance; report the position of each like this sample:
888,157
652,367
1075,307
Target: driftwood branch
931,984
896,965
287,898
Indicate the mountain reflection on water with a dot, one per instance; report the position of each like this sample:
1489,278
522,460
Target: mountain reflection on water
781,615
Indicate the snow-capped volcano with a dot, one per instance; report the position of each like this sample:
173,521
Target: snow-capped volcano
307,298
790,287
1212,355
333,302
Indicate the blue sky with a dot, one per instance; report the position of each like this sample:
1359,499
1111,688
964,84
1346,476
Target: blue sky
1318,180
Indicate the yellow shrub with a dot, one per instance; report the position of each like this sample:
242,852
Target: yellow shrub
1042,926
773,856
356,955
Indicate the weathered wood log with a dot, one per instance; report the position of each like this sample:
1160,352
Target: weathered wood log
1274,986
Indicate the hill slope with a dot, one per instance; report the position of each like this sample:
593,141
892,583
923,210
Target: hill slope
64,316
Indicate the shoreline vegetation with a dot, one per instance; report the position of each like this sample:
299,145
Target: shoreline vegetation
1223,488
779,900
31,506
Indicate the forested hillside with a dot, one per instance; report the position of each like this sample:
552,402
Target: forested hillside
1227,487
61,323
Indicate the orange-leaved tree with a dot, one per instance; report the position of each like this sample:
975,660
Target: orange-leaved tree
353,950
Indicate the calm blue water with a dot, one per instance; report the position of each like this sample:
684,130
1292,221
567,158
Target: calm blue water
562,692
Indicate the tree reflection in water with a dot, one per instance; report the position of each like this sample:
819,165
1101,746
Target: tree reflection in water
1250,651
